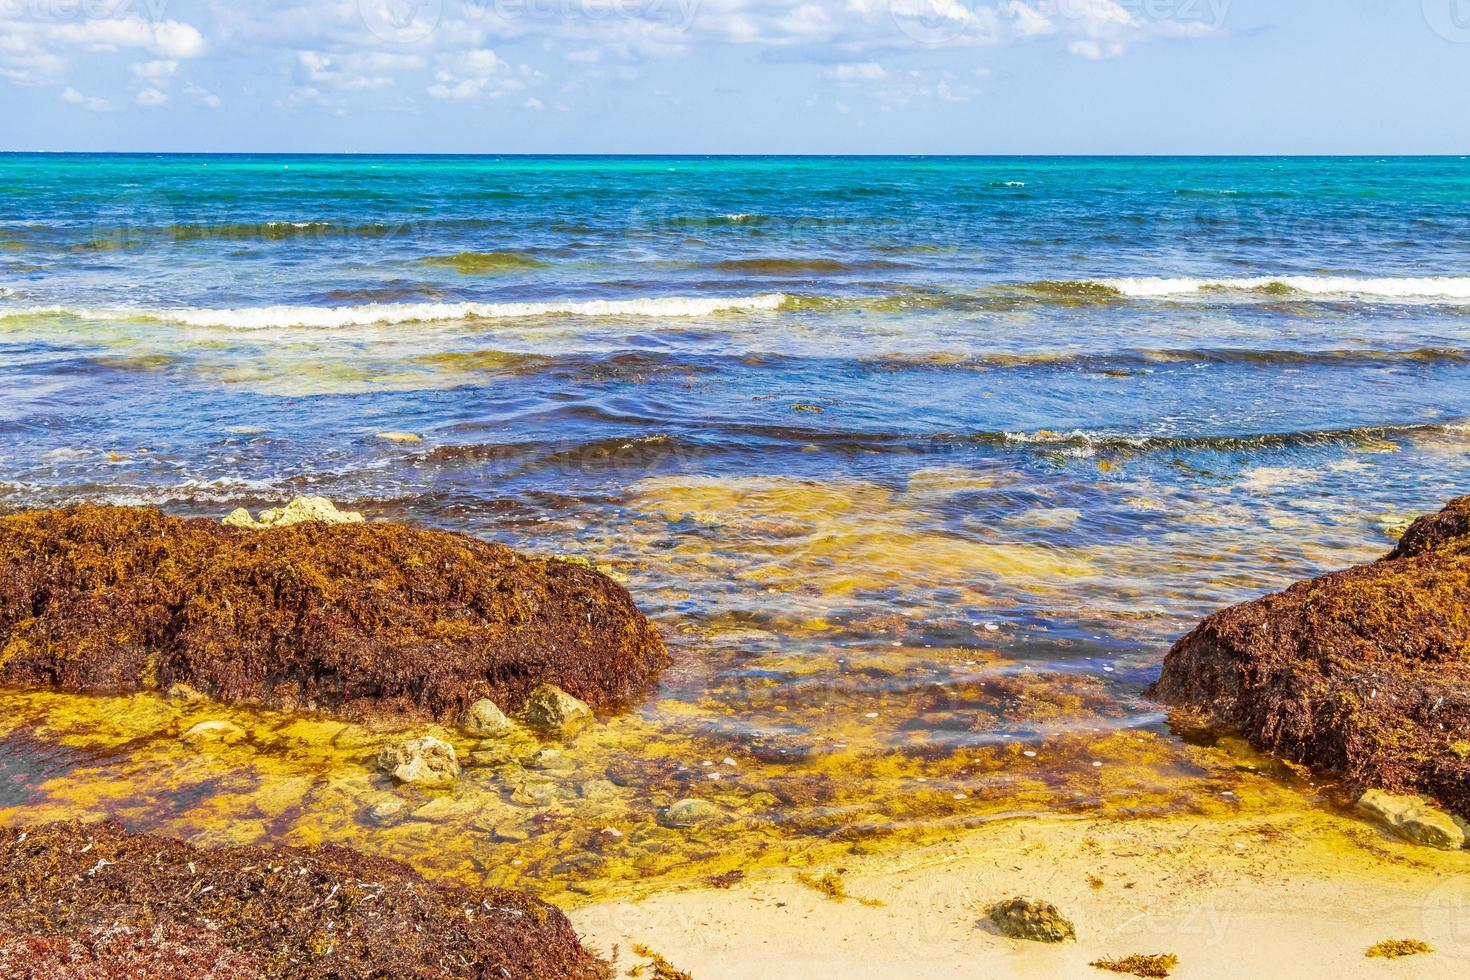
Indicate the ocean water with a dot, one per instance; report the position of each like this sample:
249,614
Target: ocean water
921,463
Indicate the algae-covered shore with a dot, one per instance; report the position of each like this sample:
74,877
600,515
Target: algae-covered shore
1184,852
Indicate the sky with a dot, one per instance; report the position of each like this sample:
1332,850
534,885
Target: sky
736,76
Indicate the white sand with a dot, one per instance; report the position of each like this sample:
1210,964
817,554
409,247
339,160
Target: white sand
1297,896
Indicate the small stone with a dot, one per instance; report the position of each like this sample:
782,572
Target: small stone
446,808
495,752
484,719
535,790
691,813
400,437
387,812
598,789
214,731
428,762
1414,818
552,711
1033,919
182,693
549,759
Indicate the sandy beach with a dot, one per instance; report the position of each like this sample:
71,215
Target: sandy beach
1300,895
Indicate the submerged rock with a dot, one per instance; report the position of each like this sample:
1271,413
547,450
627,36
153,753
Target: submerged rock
364,620
1413,818
428,762
298,511
1033,919
1364,672
214,731
260,911
691,813
552,711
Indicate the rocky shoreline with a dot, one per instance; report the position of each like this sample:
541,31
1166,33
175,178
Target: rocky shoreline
1363,673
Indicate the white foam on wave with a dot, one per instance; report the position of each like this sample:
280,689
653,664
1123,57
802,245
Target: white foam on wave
265,317
1423,289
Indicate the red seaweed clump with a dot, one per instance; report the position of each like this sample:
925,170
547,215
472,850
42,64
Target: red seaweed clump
360,620
1363,672
83,900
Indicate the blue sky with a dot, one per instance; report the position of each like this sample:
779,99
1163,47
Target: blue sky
731,76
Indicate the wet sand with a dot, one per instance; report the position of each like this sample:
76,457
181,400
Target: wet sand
1298,895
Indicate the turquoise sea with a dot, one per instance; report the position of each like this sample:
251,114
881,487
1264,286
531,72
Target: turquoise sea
842,425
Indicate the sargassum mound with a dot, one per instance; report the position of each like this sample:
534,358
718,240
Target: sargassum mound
1363,672
131,904
360,620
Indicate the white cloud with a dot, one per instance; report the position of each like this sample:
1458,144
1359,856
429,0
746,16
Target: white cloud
156,72
478,74
92,102
534,104
37,43
1095,50
867,71
151,97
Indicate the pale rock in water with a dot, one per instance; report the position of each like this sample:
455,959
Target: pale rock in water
298,511
691,813
400,437
214,731
552,711
428,762
485,719
1414,818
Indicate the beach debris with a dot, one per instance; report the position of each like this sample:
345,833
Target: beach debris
1364,673
261,911
298,511
1032,919
551,711
1414,818
1140,964
365,621
834,887
726,879
657,968
427,761
1392,949
214,731
399,437
691,813
484,719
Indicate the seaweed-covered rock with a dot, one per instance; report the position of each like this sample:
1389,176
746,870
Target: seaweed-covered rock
1363,672
147,905
1033,919
362,620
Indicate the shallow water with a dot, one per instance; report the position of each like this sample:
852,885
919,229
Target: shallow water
921,464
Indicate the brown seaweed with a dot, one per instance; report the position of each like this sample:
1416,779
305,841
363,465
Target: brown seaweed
361,620
72,892
1364,673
